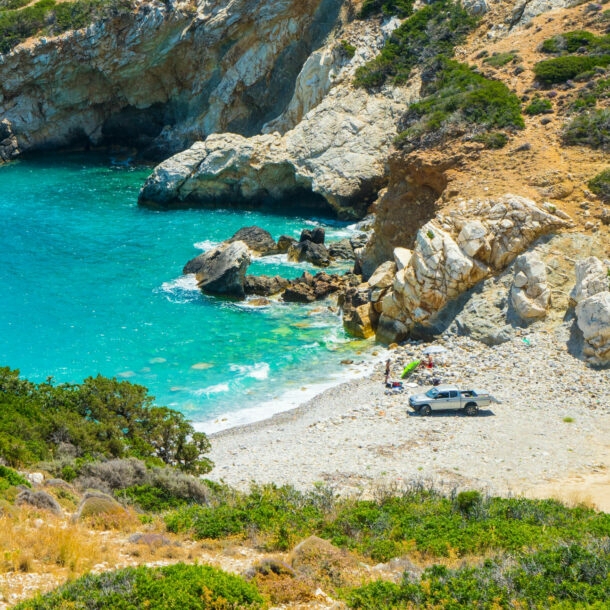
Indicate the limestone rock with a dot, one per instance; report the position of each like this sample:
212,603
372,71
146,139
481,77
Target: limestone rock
310,252
284,242
9,148
402,258
341,249
299,293
593,318
258,240
334,158
383,276
128,79
316,235
452,254
591,278
530,293
264,285
221,271
359,315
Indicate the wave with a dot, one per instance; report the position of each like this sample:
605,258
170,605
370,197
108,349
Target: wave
181,290
258,371
206,245
213,389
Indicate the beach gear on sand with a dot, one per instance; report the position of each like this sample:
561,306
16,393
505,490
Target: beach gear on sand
409,368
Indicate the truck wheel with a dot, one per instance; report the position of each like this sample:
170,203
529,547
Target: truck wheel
425,410
471,409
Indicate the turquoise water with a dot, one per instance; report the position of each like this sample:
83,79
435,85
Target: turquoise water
92,284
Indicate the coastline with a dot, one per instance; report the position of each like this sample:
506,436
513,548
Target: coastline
549,436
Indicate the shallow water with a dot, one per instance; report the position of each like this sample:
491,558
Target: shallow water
92,284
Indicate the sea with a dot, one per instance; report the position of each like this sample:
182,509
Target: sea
92,284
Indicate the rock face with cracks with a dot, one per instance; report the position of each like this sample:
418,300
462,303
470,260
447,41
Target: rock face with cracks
454,253
591,294
334,159
160,76
530,292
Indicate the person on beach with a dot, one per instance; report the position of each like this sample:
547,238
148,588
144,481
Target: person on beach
387,371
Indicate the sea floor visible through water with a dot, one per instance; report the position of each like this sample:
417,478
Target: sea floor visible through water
92,284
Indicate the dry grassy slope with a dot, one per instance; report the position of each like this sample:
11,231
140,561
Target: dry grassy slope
547,171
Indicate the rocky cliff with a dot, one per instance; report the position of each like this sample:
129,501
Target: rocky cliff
162,75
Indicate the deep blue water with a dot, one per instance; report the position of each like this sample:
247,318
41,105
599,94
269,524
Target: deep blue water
91,283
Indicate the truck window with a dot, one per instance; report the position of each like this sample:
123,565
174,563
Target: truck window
453,394
443,395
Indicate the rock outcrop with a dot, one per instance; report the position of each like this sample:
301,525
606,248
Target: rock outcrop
591,294
222,271
453,253
259,240
333,159
9,148
162,75
530,293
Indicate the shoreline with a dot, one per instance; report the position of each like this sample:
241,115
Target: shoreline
548,436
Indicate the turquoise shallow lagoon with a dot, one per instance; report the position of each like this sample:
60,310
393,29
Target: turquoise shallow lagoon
91,283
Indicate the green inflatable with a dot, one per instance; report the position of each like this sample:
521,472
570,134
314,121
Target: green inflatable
409,368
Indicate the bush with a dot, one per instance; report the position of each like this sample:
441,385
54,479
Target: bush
433,30
349,50
400,8
459,99
539,105
561,69
492,140
570,576
11,478
51,17
600,185
500,59
176,587
100,418
569,42
591,129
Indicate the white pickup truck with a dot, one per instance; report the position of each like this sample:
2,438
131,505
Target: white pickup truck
450,397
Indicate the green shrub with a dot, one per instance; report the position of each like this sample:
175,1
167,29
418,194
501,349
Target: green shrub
500,59
466,501
51,17
569,42
571,576
589,129
492,140
459,99
11,478
349,50
100,418
561,69
539,105
176,587
600,185
400,8
433,30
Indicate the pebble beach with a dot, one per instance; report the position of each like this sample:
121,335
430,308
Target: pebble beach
547,434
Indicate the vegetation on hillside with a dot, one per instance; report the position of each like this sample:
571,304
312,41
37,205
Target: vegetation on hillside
600,185
568,576
100,418
48,17
577,52
431,31
179,587
457,100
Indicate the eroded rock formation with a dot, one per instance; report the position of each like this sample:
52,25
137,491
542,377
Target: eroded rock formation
162,75
454,253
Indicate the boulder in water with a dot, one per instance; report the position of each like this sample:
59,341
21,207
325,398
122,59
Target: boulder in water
259,240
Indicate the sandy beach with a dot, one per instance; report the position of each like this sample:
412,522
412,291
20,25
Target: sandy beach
547,436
